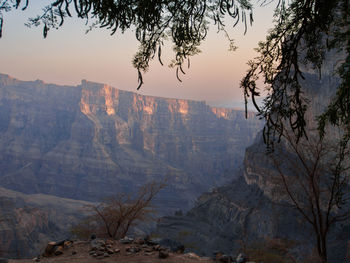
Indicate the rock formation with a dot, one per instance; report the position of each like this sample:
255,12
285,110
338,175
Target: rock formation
28,222
92,140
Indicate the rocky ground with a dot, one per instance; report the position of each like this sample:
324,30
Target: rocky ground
99,250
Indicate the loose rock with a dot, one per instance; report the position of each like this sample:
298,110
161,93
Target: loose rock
192,255
225,259
163,254
126,240
59,250
241,258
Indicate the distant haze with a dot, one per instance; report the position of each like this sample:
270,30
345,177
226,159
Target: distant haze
68,55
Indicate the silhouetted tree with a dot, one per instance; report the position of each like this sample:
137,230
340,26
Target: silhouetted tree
315,176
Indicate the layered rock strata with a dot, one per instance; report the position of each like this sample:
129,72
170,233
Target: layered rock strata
92,140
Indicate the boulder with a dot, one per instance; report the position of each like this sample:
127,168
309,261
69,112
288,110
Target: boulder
241,258
139,241
50,249
163,253
173,245
126,240
58,250
192,255
225,259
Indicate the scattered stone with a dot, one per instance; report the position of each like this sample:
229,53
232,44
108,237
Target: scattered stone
91,252
109,242
94,244
106,255
101,249
241,258
109,251
173,245
192,255
133,249
35,259
153,241
163,253
126,240
225,259
81,242
94,255
50,249
67,244
139,241
58,250
217,255
117,250
157,247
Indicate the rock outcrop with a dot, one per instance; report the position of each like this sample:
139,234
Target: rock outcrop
92,140
27,222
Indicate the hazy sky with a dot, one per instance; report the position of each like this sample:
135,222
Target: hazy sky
68,55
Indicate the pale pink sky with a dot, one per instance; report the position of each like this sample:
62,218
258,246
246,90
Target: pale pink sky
69,55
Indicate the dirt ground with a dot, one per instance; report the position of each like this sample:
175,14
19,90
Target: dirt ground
79,253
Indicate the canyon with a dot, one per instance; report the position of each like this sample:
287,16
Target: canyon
90,141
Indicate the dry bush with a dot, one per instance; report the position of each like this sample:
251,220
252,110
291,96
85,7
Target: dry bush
115,216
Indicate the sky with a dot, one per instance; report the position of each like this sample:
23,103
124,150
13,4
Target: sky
69,55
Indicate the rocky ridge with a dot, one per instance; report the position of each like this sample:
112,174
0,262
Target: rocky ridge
124,250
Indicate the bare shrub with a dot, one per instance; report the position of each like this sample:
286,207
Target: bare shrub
115,216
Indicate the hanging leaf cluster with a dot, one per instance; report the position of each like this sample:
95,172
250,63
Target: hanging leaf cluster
304,31
183,22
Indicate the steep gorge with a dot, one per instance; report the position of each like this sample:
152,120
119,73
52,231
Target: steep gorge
91,140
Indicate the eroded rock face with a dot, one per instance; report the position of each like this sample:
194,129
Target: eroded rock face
92,140
28,222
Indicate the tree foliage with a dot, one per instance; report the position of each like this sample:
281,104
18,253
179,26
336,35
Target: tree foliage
303,33
184,22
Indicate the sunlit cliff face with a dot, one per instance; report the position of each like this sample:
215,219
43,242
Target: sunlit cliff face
221,113
180,106
97,97
108,93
